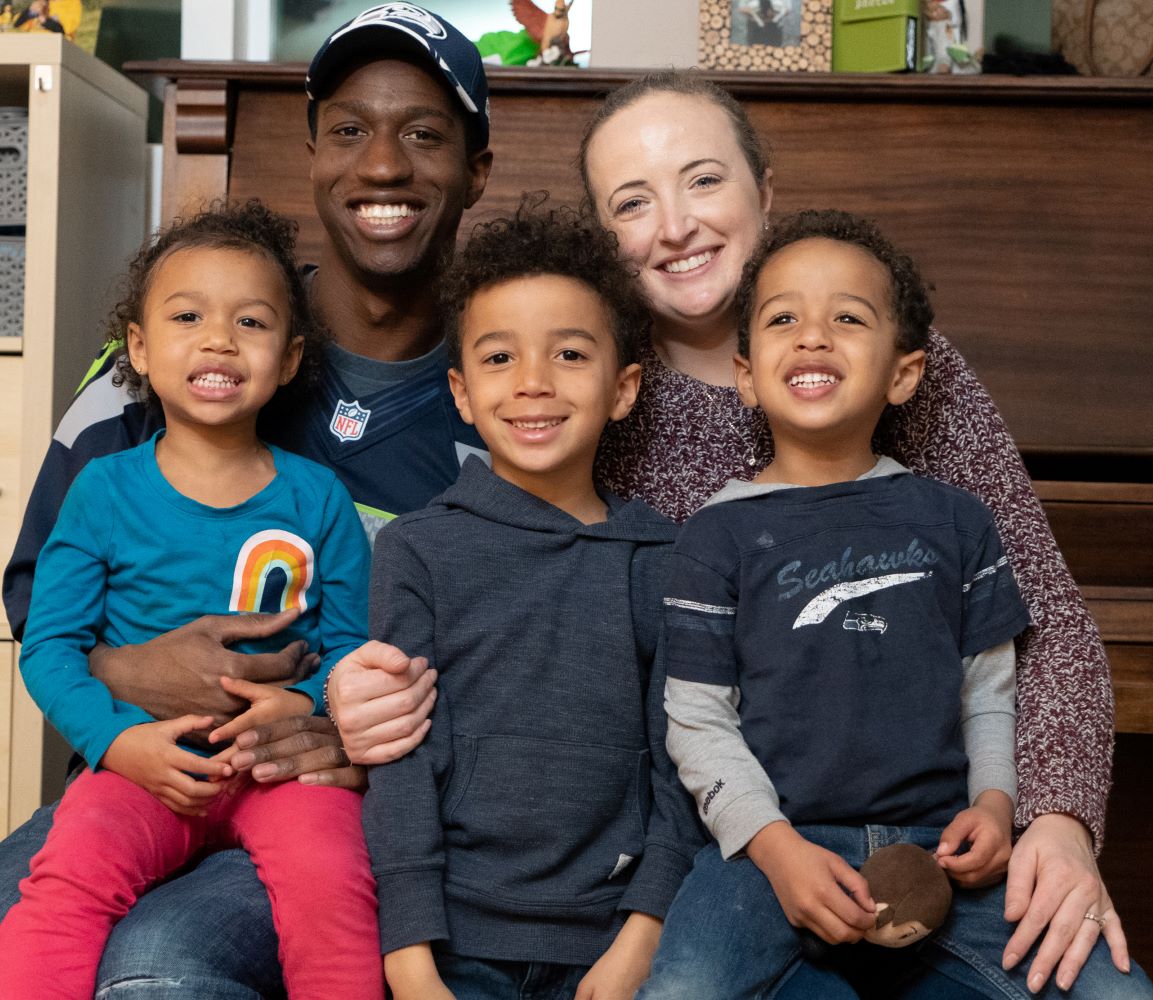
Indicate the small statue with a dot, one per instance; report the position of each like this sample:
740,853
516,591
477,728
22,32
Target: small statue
549,31
947,48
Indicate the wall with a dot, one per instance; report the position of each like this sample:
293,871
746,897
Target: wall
644,33
639,33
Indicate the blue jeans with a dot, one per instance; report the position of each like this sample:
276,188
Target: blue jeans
487,979
205,935
909,982
727,938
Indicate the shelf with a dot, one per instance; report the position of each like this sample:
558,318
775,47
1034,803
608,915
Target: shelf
921,87
87,164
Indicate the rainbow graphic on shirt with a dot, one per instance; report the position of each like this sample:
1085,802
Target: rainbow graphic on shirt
273,573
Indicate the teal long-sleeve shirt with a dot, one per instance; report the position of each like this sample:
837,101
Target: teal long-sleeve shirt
131,558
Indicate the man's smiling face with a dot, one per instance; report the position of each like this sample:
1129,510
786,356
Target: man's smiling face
391,172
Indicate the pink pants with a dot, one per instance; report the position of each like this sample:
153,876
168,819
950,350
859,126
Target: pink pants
111,841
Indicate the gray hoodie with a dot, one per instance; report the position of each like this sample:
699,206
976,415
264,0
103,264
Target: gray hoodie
542,807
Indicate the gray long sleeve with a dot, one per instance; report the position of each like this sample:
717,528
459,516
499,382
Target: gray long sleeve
736,798
988,719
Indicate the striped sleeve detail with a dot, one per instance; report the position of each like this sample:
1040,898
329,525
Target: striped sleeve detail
987,571
708,609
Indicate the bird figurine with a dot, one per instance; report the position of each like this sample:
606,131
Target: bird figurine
549,31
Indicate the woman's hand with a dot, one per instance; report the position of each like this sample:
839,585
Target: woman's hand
381,699
1053,883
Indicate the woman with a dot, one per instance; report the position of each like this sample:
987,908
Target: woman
672,165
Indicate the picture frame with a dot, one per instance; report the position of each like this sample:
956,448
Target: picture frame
766,35
76,20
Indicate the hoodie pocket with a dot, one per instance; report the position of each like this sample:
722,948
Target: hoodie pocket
552,827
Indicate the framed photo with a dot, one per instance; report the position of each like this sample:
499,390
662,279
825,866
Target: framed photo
770,35
76,20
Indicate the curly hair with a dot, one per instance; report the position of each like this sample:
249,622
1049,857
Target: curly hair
251,227
908,293
687,83
543,240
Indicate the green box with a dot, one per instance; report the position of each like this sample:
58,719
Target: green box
876,36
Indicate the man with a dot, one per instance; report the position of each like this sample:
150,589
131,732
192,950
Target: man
398,113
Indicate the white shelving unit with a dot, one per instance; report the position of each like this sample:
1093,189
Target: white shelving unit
87,165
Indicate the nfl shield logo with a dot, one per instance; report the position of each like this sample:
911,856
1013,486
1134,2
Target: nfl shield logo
349,420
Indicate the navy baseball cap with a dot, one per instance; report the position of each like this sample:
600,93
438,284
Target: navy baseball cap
404,29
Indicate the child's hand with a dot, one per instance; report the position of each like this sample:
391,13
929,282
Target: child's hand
619,972
224,757
270,702
816,888
147,755
411,974
988,827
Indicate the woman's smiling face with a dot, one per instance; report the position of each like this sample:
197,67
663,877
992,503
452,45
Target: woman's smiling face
668,176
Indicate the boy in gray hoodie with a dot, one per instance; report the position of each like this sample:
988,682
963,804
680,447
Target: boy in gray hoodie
537,837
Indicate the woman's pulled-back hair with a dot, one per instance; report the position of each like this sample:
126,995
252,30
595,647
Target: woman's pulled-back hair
545,240
688,83
252,228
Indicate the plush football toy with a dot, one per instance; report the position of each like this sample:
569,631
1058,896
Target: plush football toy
911,891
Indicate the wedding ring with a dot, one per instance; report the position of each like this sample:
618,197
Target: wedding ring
1099,921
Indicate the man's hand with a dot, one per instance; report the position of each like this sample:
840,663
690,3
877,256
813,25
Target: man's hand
816,888
304,747
381,700
148,756
178,673
411,974
619,972
1053,882
987,826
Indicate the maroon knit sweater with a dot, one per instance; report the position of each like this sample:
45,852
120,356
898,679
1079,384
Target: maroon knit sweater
684,439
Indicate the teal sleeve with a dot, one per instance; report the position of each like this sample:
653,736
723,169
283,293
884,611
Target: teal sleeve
65,620
342,563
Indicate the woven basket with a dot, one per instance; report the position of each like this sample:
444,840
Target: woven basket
1105,37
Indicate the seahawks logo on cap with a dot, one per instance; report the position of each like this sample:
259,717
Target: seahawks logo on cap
389,12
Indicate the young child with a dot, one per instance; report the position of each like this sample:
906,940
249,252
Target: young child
204,518
839,644
538,835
